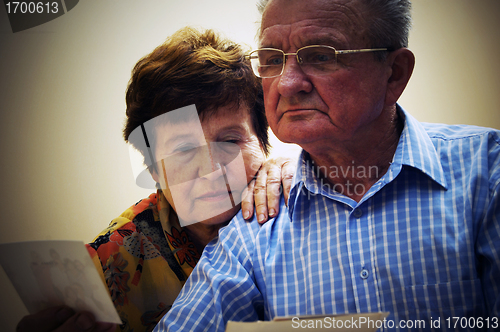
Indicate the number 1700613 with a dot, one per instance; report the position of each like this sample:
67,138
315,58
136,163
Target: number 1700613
16,7
472,322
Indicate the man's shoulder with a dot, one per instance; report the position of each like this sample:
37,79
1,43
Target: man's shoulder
449,132
476,148
469,141
240,230
239,225
245,233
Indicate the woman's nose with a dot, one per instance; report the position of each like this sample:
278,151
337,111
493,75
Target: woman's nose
209,164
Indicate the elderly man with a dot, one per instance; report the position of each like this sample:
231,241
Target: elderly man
385,213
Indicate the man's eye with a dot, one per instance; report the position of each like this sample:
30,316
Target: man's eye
274,61
323,57
319,57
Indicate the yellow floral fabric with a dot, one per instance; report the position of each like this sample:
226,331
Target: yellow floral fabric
144,258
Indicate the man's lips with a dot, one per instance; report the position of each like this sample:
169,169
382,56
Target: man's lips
302,109
299,111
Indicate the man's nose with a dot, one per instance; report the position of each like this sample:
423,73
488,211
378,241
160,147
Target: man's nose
293,80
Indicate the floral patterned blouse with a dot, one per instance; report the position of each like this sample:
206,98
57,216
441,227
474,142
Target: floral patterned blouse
145,258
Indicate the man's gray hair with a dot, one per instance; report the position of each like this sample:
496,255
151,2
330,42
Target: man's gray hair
390,22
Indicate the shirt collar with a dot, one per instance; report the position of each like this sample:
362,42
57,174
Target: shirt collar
415,149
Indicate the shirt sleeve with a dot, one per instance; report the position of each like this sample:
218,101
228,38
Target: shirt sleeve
488,239
222,285
488,249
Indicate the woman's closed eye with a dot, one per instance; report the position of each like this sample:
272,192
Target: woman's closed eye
184,148
183,153
231,140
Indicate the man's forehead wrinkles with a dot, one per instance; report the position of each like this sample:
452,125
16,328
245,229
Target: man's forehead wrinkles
342,17
303,33
338,22
274,36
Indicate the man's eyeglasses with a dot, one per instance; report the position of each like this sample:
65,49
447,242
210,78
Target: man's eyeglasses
313,59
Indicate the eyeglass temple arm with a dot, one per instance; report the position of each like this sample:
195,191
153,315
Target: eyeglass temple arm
363,50
388,49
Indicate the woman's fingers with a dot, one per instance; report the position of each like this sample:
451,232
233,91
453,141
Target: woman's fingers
287,173
267,191
247,201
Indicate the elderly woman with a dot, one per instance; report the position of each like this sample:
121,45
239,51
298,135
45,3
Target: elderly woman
195,112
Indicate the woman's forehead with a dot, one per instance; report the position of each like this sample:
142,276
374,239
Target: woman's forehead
226,118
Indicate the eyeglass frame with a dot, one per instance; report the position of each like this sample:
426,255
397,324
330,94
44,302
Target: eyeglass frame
337,52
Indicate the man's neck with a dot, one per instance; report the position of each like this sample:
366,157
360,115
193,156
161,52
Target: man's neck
351,169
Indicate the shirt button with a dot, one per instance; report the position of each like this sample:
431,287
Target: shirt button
357,213
364,274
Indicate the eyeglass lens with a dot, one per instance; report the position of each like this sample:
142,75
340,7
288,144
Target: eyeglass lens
315,60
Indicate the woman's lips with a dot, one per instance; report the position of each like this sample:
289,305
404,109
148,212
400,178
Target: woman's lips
214,196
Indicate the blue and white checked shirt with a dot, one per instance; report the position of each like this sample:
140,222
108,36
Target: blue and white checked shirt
422,244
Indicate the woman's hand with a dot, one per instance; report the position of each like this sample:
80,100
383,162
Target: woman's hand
275,174
62,319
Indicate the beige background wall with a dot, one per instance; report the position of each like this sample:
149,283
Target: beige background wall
65,170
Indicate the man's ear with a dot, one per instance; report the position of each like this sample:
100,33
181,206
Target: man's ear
401,62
